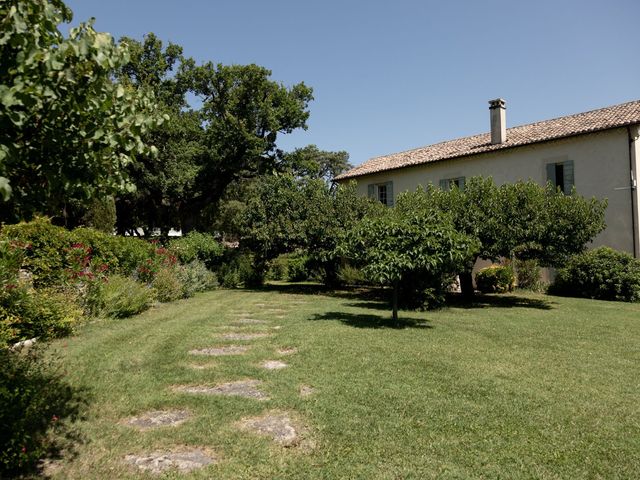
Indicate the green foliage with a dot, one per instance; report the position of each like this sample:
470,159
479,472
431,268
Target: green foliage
278,268
602,273
100,214
67,130
238,269
44,249
167,285
195,277
297,268
197,246
528,274
37,407
28,313
119,297
314,164
350,275
495,279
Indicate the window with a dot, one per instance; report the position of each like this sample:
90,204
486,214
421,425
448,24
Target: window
560,175
383,192
449,183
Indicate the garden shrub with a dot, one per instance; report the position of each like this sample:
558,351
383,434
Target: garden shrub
45,249
350,275
131,252
602,273
119,297
197,246
297,270
278,268
100,214
195,277
167,285
528,274
37,408
495,279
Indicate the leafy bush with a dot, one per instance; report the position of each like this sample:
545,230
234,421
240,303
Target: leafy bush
195,277
602,273
495,279
130,252
118,297
238,269
229,276
167,285
350,275
297,270
37,407
528,275
197,246
278,268
100,214
45,249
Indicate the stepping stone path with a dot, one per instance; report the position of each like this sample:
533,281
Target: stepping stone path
184,461
278,426
158,418
273,365
243,336
287,351
220,351
250,321
242,388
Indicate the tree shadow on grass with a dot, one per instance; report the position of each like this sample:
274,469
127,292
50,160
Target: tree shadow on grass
359,320
499,301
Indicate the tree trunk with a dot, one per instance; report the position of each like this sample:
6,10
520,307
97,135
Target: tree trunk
395,302
466,284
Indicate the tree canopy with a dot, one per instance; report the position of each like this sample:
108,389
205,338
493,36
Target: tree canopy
67,130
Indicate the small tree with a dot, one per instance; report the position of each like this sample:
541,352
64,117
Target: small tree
405,241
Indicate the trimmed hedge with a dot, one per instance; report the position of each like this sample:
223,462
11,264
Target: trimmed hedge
602,273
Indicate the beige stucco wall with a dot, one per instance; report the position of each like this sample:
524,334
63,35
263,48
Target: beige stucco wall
601,165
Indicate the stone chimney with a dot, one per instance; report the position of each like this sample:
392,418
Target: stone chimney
498,108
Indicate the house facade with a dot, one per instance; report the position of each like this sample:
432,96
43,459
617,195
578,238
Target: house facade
598,152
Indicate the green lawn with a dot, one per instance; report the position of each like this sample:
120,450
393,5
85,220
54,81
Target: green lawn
520,386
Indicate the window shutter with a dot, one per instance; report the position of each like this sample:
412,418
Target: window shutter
568,176
389,194
551,173
371,191
444,184
461,183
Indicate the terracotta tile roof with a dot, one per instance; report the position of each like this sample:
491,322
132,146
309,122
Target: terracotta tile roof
587,122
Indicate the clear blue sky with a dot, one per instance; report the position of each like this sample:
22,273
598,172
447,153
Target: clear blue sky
394,75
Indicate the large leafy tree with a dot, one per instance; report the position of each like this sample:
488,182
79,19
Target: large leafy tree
523,220
67,130
312,163
163,181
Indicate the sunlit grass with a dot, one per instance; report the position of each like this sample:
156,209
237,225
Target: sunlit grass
520,386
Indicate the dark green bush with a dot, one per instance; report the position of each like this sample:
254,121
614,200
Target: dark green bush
278,268
37,407
197,246
45,249
195,277
297,269
495,279
602,273
528,275
118,297
350,275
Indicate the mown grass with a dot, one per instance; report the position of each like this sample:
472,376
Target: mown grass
518,386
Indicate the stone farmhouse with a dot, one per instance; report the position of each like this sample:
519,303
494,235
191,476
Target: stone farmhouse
598,152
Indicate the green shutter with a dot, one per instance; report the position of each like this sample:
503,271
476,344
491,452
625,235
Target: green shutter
389,194
567,170
461,182
551,173
371,191
444,184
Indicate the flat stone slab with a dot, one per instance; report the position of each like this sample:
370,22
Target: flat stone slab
161,461
242,336
287,350
197,366
306,391
220,351
250,321
158,418
241,388
273,365
277,426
